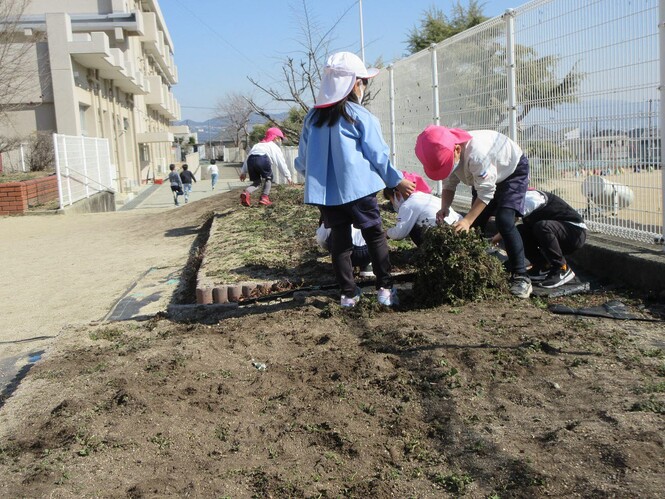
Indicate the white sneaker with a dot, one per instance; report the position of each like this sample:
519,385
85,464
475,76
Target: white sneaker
387,297
520,286
351,301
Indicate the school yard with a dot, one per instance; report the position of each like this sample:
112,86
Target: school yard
299,398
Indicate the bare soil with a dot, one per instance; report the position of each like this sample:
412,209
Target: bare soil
497,398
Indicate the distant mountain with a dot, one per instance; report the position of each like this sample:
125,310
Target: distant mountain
213,128
591,115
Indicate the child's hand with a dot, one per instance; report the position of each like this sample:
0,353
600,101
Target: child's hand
496,239
290,182
441,216
242,177
462,226
406,188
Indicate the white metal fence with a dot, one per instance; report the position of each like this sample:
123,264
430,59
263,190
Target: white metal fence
576,84
83,167
15,160
234,154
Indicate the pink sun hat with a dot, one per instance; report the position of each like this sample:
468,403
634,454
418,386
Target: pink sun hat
271,133
339,75
421,185
435,149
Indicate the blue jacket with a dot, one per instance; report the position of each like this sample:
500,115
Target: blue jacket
344,162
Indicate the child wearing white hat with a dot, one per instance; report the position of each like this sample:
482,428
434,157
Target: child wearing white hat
345,162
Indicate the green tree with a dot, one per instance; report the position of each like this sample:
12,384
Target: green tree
436,26
474,89
291,126
257,133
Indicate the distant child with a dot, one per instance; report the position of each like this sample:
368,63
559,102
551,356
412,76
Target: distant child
345,162
359,256
550,229
415,214
214,172
176,184
262,157
187,178
497,170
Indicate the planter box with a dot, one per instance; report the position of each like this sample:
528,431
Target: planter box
16,197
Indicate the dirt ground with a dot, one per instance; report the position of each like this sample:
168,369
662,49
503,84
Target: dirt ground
296,398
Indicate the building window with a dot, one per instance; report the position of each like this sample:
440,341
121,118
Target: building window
144,153
83,111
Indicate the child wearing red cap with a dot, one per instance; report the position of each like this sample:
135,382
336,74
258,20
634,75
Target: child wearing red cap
498,172
259,164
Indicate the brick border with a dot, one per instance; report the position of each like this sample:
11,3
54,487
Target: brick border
17,197
208,293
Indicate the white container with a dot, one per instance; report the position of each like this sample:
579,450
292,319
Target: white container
607,195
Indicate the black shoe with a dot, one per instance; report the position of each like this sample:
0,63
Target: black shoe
558,277
537,274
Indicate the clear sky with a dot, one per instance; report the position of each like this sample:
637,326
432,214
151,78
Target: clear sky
219,43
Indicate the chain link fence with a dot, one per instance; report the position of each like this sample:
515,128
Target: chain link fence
576,84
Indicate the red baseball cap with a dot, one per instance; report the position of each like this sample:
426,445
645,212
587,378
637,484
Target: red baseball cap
435,148
272,133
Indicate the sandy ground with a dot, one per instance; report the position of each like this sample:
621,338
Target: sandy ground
61,270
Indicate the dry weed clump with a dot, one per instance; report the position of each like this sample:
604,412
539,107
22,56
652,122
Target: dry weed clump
455,267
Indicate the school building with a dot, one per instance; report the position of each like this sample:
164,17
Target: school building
102,68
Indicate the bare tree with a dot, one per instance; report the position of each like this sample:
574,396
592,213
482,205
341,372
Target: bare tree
301,72
235,109
18,80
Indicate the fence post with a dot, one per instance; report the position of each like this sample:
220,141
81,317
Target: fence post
391,93
69,181
99,166
661,113
509,18
22,157
435,99
57,170
85,168
435,85
109,165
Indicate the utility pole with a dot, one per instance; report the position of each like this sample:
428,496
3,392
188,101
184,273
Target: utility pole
362,36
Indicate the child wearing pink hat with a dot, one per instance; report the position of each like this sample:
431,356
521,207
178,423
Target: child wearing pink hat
498,172
345,162
259,165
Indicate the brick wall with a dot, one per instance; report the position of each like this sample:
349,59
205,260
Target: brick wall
16,197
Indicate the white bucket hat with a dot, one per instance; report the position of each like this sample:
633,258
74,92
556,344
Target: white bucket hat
339,75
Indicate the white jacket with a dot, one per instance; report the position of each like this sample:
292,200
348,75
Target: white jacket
419,208
274,153
488,158
322,235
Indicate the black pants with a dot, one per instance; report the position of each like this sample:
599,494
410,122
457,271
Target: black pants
547,241
505,224
259,169
341,249
363,214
